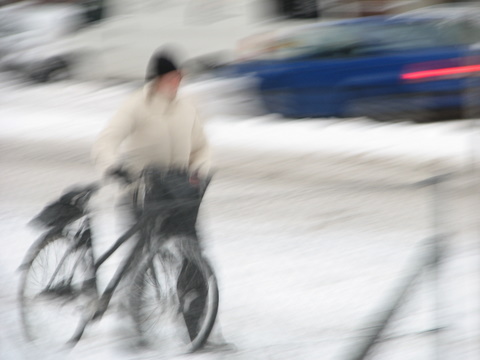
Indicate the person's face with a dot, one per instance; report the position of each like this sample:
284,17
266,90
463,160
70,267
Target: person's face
169,83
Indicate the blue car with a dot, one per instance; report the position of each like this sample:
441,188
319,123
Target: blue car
405,67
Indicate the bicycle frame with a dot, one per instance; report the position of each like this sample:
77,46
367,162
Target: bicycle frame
151,218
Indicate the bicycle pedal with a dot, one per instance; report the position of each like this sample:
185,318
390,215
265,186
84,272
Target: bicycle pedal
98,314
59,290
211,346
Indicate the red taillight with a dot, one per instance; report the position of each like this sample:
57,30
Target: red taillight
459,70
442,69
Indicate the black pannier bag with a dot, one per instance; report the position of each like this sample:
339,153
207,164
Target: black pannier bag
69,207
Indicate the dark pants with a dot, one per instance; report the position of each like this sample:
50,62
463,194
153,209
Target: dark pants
174,186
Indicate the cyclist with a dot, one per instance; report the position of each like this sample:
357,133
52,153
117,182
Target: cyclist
155,127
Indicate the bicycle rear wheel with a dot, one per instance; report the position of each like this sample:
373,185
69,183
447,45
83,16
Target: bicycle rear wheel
57,287
174,301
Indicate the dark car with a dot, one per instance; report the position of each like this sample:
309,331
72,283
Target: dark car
34,40
404,67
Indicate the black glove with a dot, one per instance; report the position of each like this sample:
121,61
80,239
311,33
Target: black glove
120,174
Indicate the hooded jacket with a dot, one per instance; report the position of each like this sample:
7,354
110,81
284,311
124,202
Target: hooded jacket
149,129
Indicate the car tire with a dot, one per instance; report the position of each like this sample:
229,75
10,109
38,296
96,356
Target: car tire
471,105
56,69
385,109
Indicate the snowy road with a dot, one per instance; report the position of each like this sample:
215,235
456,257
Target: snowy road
307,241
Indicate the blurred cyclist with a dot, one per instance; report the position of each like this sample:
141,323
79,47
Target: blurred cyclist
157,129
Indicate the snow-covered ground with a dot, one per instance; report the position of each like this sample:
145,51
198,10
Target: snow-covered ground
310,224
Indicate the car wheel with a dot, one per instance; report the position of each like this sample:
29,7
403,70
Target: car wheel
471,105
390,109
51,71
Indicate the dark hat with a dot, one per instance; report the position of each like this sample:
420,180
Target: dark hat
160,64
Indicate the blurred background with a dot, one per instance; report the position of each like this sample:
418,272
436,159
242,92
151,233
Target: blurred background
385,60
325,118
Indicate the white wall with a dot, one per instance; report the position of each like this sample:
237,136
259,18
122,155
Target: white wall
123,43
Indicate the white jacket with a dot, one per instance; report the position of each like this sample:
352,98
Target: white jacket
151,130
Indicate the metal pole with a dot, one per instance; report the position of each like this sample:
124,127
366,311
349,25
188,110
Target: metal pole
429,259
472,112
383,317
440,248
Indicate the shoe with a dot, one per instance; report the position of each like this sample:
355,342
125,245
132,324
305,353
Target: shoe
218,346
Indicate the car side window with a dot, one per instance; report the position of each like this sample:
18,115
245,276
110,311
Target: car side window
373,39
333,42
368,39
395,38
468,32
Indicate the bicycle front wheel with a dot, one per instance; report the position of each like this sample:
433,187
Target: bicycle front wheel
174,301
57,288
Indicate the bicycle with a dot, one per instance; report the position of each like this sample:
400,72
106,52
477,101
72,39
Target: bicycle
58,289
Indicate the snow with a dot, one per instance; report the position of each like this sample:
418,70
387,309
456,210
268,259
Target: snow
437,146
355,138
309,224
